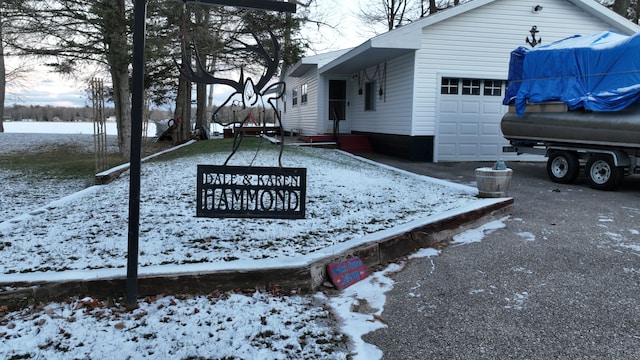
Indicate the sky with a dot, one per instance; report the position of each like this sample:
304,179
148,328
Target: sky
59,230
42,87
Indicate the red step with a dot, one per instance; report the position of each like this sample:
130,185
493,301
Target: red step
348,142
355,143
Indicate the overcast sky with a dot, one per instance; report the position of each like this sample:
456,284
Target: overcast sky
41,87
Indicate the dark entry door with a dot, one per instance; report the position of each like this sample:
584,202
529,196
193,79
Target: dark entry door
337,100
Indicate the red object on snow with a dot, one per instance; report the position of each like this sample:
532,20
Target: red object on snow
346,273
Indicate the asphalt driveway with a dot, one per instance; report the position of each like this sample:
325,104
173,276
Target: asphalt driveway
561,280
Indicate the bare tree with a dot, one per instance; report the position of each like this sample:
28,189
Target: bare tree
7,15
72,33
394,13
391,13
3,82
214,32
435,6
621,7
630,9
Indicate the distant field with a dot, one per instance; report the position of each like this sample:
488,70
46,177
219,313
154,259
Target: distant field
49,127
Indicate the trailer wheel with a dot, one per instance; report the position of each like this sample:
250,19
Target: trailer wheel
563,167
602,174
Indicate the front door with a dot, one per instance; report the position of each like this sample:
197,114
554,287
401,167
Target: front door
338,105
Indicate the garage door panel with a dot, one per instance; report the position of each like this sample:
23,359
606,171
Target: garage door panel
448,150
449,107
465,150
469,129
489,150
490,108
490,129
470,108
448,129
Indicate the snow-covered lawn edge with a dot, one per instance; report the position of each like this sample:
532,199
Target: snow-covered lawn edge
243,265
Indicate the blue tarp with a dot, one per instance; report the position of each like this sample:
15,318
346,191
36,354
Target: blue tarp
599,72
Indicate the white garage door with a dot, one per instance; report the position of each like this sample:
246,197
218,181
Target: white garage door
469,120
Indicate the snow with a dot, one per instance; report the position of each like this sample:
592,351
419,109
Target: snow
527,236
60,231
83,128
476,235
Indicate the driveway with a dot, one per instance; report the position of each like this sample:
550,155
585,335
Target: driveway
559,280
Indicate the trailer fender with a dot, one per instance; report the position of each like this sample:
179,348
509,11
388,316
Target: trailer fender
620,157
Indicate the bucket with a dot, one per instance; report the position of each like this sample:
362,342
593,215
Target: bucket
493,183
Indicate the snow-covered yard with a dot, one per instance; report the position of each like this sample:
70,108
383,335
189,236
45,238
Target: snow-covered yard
59,230
348,201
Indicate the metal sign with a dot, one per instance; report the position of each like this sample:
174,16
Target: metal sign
137,100
251,192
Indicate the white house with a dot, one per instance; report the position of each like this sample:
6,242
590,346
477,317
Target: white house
432,90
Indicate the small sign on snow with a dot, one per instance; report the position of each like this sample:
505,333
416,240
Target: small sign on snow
346,273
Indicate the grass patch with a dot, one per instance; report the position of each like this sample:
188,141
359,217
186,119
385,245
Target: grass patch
215,146
73,162
66,161
63,162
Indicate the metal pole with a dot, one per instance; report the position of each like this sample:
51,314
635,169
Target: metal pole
137,100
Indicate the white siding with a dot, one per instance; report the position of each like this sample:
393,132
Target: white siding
478,44
302,117
393,112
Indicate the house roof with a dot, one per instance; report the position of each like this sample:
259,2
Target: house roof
406,39
309,62
371,52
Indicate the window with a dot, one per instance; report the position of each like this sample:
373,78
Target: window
449,86
493,87
470,87
452,86
304,96
284,101
370,96
294,97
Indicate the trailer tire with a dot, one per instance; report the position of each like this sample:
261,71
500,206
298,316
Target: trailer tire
563,167
602,174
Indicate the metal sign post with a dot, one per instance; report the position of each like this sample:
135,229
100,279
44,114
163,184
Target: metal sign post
137,103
